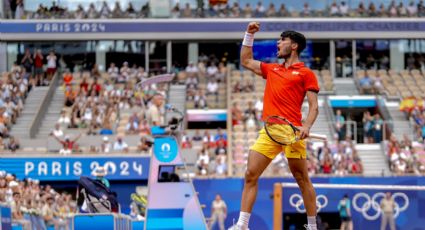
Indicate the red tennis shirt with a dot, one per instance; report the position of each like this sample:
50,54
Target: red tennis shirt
286,89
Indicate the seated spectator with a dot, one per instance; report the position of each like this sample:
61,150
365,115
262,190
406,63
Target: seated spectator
412,9
283,12
197,136
343,9
212,71
221,163
13,144
192,70
113,71
200,100
106,128
104,10
120,145
203,161
208,139
237,114
105,147
306,12
248,11
185,141
64,119
144,145
366,85
221,148
334,10
271,11
67,78
212,88
326,164
144,128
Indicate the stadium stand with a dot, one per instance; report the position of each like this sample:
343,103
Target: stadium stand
109,9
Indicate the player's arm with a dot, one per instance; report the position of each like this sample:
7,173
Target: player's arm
247,59
313,111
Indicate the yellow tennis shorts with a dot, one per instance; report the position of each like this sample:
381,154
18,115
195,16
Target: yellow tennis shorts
271,149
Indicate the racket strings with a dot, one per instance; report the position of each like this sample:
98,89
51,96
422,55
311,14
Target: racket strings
282,133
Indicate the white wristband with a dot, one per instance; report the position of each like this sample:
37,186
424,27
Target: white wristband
248,39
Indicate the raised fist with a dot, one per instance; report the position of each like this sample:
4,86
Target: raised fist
253,27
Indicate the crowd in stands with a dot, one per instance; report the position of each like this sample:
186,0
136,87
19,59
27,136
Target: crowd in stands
109,103
205,83
35,206
30,71
406,156
211,151
16,9
413,107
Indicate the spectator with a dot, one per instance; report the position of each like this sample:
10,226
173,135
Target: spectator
185,141
372,10
271,11
221,163
306,12
218,212
57,131
117,12
51,65
203,160
344,208
38,67
68,145
67,78
387,207
105,147
17,215
105,12
392,10
247,11
361,10
412,9
13,144
340,124
237,114
377,128
212,88
187,11
144,145
100,174
197,136
282,11
192,71
155,112
260,10
27,61
120,145
343,9
334,10
401,10
200,99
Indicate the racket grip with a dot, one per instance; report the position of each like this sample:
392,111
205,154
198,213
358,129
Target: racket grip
317,136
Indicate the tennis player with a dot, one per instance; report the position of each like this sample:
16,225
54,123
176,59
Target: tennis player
286,86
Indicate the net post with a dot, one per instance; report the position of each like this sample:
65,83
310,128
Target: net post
277,206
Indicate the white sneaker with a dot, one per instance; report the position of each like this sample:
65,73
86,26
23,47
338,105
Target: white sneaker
235,227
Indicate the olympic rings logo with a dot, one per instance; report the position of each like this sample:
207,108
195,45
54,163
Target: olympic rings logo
297,202
374,204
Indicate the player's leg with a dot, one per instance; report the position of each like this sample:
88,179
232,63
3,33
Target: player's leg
257,162
296,154
260,156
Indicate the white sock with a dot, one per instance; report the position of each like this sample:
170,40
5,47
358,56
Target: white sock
311,220
243,220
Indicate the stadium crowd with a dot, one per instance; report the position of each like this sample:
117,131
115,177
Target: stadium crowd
109,103
16,9
406,156
35,206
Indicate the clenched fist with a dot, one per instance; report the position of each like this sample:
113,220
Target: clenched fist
253,27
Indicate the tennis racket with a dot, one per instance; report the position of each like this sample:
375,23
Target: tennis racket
283,132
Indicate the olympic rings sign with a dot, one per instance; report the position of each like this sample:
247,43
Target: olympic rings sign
297,202
374,204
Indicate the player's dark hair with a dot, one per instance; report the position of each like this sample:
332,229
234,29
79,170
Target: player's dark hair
295,37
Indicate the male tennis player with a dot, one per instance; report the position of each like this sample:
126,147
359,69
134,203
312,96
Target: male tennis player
286,86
